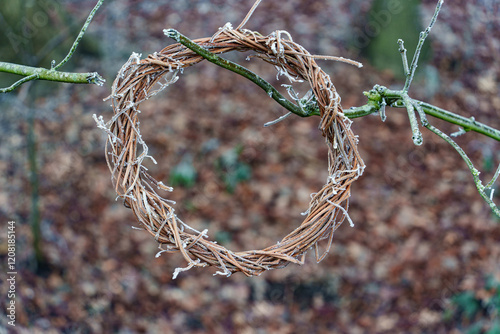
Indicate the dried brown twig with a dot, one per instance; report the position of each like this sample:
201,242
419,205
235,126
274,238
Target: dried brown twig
138,80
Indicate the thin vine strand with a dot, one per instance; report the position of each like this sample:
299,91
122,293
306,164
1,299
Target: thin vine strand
475,173
80,36
421,40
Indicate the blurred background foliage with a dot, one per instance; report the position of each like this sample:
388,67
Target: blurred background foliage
385,23
477,311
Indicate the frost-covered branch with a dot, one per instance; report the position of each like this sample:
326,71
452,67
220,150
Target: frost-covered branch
376,96
40,73
395,98
380,96
229,65
52,74
488,198
423,35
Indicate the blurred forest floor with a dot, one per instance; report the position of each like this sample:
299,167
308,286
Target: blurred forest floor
423,257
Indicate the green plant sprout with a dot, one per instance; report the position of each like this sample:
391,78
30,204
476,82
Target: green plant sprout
476,313
184,174
52,74
378,98
231,169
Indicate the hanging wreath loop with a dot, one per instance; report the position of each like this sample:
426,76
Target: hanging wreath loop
139,79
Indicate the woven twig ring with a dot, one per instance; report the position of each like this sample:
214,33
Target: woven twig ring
139,79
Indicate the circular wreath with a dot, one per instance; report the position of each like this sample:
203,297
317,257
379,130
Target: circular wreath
139,79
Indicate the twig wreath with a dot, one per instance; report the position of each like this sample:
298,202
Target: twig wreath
138,80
